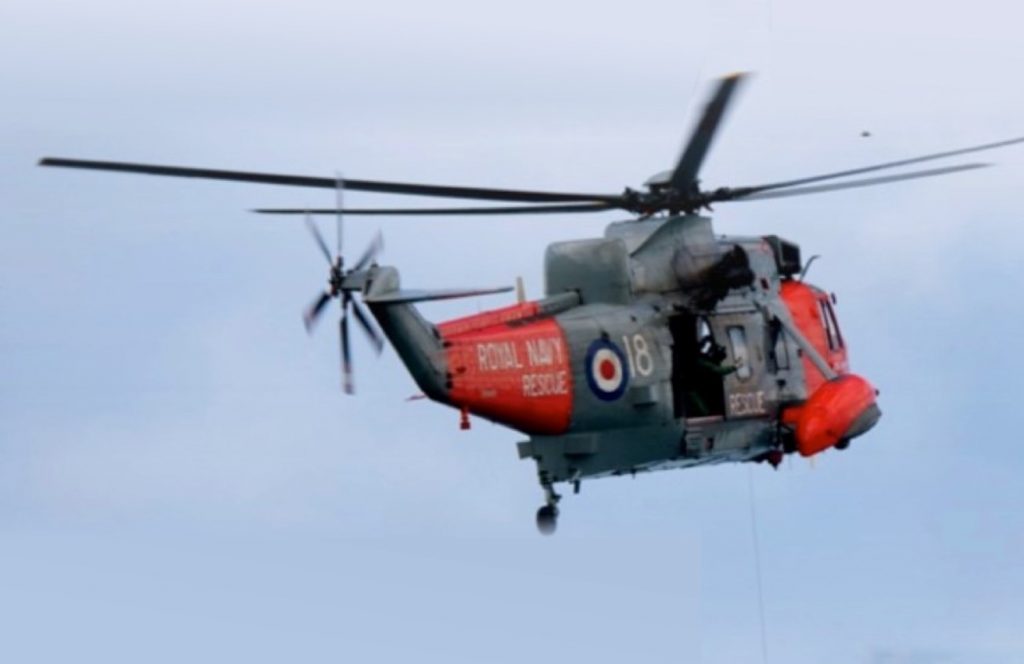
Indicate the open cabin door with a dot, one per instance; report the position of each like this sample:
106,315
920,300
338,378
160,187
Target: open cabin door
697,379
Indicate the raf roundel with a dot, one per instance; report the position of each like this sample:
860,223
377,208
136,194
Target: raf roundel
607,371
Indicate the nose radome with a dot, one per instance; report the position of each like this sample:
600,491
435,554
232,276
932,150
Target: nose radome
865,421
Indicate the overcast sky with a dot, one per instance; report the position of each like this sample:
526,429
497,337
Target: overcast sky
182,480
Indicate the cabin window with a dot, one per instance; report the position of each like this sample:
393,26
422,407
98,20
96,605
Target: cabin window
740,353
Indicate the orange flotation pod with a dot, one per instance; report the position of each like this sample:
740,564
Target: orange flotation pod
839,410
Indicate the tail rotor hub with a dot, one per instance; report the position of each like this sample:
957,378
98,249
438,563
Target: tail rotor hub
337,289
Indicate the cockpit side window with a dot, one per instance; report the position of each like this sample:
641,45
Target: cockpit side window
835,323
829,323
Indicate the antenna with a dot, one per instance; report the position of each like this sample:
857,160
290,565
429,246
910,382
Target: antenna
520,290
807,266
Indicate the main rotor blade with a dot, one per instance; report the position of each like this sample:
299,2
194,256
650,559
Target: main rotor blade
378,186
371,252
685,174
525,209
745,191
855,184
313,311
346,355
371,331
315,232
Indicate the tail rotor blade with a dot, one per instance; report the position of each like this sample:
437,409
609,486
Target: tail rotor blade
313,311
371,252
339,199
318,238
346,354
369,328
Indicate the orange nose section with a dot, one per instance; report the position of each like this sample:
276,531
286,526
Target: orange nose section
840,409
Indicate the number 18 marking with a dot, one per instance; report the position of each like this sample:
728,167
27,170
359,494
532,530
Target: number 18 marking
640,361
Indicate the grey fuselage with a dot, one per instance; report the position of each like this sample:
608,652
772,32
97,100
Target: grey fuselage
647,288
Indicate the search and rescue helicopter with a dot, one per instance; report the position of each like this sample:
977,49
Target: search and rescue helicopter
659,345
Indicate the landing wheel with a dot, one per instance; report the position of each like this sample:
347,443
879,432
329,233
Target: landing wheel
547,519
843,444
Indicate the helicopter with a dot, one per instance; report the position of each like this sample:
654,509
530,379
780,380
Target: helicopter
658,345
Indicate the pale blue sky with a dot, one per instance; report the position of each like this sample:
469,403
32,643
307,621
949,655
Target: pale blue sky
181,479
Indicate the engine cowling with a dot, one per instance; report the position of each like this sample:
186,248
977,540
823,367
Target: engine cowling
840,409
708,278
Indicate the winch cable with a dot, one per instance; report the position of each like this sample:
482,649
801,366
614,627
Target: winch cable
757,565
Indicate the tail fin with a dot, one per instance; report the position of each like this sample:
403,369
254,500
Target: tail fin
417,341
